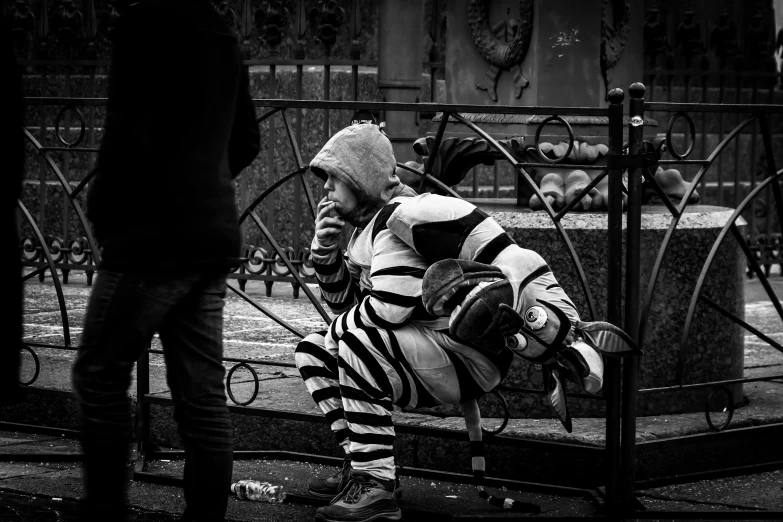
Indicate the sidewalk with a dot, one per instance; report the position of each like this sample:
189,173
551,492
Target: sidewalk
28,490
33,491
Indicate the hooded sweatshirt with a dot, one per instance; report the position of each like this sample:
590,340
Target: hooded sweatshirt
380,270
361,156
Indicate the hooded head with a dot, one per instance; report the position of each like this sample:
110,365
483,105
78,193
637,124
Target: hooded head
361,157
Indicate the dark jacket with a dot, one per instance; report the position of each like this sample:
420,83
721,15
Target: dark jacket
11,174
179,127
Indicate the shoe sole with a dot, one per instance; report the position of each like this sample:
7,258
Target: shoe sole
397,515
330,496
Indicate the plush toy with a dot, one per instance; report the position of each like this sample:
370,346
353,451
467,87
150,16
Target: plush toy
519,306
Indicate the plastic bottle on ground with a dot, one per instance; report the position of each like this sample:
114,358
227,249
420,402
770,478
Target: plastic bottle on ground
258,491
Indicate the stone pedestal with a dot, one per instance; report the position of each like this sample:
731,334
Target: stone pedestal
563,64
715,346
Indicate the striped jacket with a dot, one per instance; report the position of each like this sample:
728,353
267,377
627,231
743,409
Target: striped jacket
379,282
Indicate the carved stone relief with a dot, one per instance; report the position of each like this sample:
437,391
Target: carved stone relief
504,45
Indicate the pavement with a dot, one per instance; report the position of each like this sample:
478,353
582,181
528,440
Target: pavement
49,488
42,490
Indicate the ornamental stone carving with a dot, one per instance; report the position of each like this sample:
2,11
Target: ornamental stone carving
503,45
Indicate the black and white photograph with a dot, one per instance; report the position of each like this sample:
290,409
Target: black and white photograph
386,260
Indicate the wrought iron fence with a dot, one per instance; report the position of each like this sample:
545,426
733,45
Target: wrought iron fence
632,158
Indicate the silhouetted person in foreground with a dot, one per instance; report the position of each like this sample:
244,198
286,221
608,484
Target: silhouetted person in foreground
180,126
12,169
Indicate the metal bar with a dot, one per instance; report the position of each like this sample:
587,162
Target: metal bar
737,143
752,173
705,269
727,108
683,162
241,360
632,294
566,239
703,147
55,278
66,161
721,95
41,457
266,312
734,514
754,265
40,430
713,383
663,249
737,320
540,391
267,191
426,431
581,194
769,153
327,87
686,478
658,190
290,267
41,135
377,105
614,300
35,272
354,82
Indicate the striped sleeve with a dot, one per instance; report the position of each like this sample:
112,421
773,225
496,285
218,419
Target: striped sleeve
336,278
439,228
396,275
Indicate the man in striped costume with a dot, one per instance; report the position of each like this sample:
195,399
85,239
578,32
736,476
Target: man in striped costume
385,348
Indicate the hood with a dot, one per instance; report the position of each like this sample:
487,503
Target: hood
361,156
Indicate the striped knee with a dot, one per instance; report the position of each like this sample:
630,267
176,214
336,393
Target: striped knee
318,368
366,389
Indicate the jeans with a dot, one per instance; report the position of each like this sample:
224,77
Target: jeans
124,312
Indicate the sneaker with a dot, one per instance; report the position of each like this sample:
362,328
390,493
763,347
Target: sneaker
328,488
363,499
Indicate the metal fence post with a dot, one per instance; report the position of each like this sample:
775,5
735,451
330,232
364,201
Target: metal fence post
614,298
633,233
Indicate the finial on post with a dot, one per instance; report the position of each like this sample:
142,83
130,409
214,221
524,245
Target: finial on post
616,96
637,90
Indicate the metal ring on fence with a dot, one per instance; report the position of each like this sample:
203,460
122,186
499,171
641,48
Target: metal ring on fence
255,263
306,268
570,140
228,384
29,252
78,252
37,366
278,266
81,126
55,249
670,143
506,415
730,396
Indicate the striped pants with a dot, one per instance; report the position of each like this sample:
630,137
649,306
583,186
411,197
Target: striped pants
357,375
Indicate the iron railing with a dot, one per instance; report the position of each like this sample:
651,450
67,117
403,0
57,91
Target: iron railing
621,386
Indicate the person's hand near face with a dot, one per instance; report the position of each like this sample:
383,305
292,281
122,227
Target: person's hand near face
339,201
